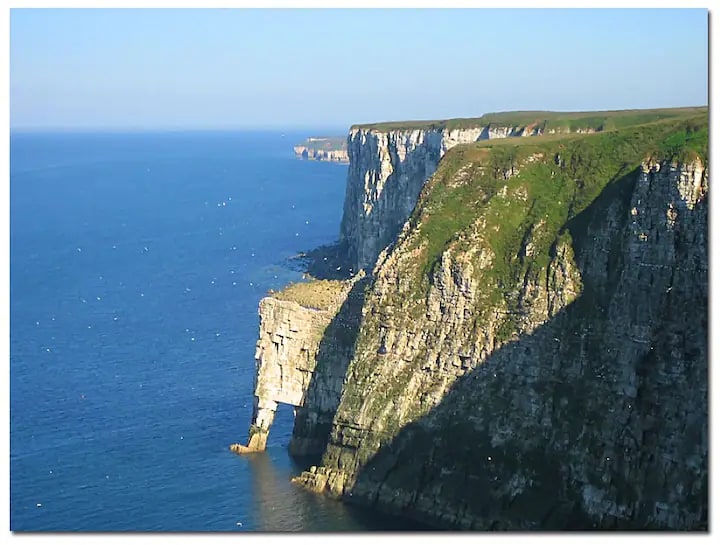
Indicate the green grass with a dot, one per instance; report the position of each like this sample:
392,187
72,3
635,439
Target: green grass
600,120
572,172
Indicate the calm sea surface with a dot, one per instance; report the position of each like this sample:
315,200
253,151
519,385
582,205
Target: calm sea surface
137,263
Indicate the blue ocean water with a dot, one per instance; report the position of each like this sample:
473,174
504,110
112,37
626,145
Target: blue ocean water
137,262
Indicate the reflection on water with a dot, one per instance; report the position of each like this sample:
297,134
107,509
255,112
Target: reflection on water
282,506
279,505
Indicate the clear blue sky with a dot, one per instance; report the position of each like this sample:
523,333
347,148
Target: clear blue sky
150,69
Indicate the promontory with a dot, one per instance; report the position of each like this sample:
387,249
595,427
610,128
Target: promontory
520,341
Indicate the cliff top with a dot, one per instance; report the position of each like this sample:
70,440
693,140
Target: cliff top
596,120
552,177
317,294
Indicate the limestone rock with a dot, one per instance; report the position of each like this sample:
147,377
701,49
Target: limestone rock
460,415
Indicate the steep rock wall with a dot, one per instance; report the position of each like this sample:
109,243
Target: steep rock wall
285,359
305,343
576,398
388,168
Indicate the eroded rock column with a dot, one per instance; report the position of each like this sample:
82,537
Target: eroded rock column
287,349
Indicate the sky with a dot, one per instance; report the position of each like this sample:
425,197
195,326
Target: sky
292,69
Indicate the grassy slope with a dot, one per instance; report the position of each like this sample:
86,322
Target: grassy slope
568,173
564,177
600,120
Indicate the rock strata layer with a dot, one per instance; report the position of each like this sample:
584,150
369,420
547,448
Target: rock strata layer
297,364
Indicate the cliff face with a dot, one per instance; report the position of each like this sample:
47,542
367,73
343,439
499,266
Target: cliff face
285,359
304,346
337,156
530,352
387,170
533,349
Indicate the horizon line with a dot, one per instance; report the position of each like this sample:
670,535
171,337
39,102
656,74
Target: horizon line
346,127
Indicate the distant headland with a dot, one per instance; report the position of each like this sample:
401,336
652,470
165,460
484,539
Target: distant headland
323,148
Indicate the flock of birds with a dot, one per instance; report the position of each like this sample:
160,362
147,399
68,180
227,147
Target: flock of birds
145,249
116,317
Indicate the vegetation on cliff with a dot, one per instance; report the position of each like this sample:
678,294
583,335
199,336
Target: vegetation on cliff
523,341
503,189
547,121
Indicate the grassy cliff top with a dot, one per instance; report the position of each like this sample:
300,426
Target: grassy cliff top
326,143
317,294
557,176
571,121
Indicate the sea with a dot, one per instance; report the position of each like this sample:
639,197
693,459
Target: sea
137,262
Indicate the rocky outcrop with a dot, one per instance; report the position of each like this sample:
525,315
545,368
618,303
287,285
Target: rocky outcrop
323,149
536,375
285,359
301,360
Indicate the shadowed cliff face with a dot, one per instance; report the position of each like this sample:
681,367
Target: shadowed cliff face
313,420
575,399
